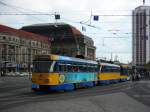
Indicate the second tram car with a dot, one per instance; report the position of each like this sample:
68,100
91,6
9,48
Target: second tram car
108,73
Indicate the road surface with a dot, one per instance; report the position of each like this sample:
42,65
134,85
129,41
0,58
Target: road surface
17,96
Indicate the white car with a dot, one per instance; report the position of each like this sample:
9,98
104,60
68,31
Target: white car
24,74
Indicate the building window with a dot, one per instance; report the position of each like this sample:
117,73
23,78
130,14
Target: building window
14,39
9,38
36,44
39,44
4,38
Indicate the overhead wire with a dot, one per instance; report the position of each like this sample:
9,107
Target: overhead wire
32,13
18,9
53,14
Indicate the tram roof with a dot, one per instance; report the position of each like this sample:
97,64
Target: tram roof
125,66
109,64
64,58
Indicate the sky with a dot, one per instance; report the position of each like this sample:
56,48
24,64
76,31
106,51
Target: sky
112,35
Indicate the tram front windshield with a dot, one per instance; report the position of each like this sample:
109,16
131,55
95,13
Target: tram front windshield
41,66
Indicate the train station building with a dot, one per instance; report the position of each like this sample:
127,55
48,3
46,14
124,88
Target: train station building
17,48
65,39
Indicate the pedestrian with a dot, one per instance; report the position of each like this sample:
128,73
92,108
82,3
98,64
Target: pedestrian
137,76
2,73
133,77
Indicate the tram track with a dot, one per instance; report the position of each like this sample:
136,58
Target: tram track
23,98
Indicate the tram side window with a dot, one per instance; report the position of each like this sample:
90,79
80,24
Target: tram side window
115,69
89,68
110,69
118,70
75,68
56,68
80,69
104,69
60,67
69,68
95,68
65,68
83,68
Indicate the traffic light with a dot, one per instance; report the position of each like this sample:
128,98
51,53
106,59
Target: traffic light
57,16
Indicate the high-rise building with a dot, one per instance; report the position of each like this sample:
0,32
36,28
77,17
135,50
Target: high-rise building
141,35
